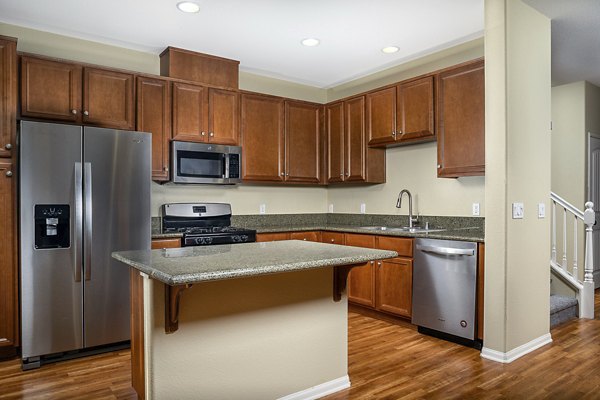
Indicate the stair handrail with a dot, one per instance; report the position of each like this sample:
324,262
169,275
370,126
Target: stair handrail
584,288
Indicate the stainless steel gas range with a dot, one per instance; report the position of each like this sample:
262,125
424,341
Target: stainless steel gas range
203,224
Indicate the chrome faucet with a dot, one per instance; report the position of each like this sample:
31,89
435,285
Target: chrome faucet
411,219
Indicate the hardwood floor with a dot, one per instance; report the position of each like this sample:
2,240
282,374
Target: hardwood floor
386,361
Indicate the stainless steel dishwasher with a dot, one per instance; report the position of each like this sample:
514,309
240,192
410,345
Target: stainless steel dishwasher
444,289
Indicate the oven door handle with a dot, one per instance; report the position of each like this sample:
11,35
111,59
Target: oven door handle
446,251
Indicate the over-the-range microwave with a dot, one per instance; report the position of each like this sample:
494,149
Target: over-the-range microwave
205,163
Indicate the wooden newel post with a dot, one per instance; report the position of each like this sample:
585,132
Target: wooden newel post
587,298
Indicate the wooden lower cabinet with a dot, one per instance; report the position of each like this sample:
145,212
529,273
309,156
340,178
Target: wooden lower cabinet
311,236
166,243
361,280
333,237
272,237
394,286
9,323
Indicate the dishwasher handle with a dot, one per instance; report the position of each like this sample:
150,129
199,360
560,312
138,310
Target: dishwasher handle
446,250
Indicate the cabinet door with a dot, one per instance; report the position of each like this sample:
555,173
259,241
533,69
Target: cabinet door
312,236
334,122
415,116
108,98
302,142
361,280
355,139
394,286
50,89
262,138
461,121
154,116
8,95
333,238
8,267
272,237
190,109
223,117
381,116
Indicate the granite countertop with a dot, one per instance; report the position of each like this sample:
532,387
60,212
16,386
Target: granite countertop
469,234
188,265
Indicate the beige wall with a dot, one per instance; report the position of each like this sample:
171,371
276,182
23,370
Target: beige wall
411,167
518,113
249,338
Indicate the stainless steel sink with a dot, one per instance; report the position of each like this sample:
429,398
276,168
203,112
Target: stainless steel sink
415,229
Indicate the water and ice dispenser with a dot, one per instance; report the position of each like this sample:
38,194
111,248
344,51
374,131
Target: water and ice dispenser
52,224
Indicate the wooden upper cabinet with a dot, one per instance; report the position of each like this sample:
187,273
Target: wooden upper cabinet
461,121
415,116
356,147
8,263
154,116
223,117
302,142
8,95
108,98
381,116
262,137
190,109
334,126
51,89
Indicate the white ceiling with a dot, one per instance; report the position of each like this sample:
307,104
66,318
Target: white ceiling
575,39
265,35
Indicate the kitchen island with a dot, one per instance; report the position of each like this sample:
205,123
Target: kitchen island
251,321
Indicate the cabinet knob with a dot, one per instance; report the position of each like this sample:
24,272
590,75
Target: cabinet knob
287,174
393,133
379,263
332,240
282,174
399,133
8,146
347,173
74,112
211,134
439,166
202,133
9,173
372,262
166,169
86,113
304,239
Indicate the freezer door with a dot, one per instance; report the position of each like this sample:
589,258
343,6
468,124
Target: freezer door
117,176
51,288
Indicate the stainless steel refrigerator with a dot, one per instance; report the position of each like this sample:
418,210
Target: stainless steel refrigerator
84,193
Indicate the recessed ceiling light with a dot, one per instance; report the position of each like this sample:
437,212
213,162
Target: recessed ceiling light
390,49
188,7
310,42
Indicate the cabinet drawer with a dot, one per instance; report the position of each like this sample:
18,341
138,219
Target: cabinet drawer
313,236
333,238
271,237
404,246
166,243
360,240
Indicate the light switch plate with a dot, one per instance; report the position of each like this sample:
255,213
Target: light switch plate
517,210
476,209
331,208
262,209
541,210
363,208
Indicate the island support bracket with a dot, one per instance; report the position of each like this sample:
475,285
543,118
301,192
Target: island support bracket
340,280
172,298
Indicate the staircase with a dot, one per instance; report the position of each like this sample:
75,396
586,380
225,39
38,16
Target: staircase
562,309
566,268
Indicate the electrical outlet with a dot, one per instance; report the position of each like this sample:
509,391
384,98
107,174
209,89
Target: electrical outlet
541,210
476,209
363,208
331,208
262,209
518,210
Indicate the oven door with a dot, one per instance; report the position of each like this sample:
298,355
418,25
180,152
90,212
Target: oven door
201,163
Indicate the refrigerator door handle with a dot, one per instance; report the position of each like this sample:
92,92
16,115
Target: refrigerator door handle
78,186
87,191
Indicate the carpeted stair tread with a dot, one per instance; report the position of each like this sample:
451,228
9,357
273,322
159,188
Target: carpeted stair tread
559,303
562,309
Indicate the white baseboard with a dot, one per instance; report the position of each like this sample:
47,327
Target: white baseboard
518,352
321,390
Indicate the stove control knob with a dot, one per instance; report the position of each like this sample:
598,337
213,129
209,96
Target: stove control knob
235,238
198,240
244,238
208,240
